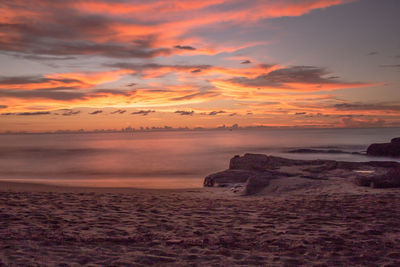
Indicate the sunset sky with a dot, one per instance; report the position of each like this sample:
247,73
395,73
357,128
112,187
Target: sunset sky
97,64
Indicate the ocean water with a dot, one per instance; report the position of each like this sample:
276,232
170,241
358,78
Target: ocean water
178,159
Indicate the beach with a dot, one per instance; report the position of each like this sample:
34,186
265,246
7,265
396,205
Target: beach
333,224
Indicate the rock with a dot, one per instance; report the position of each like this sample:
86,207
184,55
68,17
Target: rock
391,149
362,181
228,177
255,184
390,180
329,151
395,141
255,162
257,170
262,163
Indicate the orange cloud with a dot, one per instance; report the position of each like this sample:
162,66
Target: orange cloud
91,79
40,26
73,80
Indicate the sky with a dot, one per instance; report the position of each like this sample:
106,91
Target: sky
97,64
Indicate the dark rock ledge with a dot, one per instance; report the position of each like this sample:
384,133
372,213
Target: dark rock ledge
253,172
391,149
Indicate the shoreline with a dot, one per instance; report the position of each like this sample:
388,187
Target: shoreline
23,186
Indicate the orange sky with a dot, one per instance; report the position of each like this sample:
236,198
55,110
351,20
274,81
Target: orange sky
112,64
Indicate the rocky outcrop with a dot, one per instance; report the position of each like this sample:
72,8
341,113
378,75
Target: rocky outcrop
255,184
391,149
228,177
395,141
389,180
319,151
256,170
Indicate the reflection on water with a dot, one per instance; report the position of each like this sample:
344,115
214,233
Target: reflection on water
164,159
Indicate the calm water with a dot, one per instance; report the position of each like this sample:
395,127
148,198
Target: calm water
164,159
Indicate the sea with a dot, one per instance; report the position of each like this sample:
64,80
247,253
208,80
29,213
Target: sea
166,159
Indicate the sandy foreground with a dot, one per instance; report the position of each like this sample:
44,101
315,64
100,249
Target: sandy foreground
329,223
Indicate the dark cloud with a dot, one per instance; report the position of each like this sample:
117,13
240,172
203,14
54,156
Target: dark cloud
213,113
390,66
155,66
143,112
196,71
368,106
182,112
59,93
96,112
70,33
28,113
70,112
21,80
90,48
184,47
281,77
3,106
44,58
232,114
300,113
246,62
196,95
131,84
115,92
119,111
372,53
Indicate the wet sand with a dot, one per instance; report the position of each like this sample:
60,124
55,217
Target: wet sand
67,226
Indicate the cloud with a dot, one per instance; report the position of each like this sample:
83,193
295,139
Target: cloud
119,111
300,78
124,29
23,80
361,122
232,114
143,112
161,68
71,113
245,62
54,94
390,66
182,112
385,106
28,113
213,113
372,53
184,47
82,80
3,106
63,36
96,112
196,95
300,113
115,92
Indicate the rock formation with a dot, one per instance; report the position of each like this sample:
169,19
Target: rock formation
257,170
390,179
391,149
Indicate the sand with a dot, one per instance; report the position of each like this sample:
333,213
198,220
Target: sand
329,223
